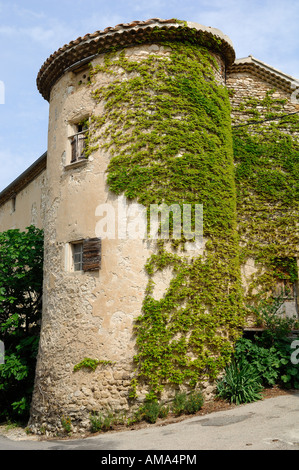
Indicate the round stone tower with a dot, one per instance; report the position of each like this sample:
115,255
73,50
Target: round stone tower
139,115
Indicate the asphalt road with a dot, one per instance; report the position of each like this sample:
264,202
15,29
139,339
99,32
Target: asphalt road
270,424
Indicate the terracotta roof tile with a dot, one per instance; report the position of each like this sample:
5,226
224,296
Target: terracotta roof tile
122,34
267,72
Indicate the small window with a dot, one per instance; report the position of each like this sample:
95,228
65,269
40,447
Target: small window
78,141
13,204
286,272
84,255
77,255
285,288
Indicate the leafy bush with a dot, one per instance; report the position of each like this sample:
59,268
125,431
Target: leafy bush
184,403
270,352
276,326
194,402
179,403
21,275
240,384
288,375
273,363
265,361
66,424
152,410
100,422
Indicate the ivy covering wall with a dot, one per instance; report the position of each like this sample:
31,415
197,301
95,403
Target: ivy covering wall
167,125
266,152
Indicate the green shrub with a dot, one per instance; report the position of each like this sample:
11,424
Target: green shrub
179,403
189,404
288,376
240,384
66,424
266,361
21,277
273,363
194,402
100,422
152,410
270,352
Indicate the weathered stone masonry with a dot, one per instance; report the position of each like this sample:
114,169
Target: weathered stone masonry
91,313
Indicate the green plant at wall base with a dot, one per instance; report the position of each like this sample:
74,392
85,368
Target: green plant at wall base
100,422
262,357
264,360
240,384
152,410
66,424
270,359
187,403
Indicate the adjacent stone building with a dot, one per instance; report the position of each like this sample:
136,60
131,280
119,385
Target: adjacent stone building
95,286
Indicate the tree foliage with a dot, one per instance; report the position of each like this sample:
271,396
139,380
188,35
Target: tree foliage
21,274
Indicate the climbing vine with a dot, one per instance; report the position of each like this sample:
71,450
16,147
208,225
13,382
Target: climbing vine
166,123
266,153
90,363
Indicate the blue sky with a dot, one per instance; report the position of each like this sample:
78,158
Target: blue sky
31,30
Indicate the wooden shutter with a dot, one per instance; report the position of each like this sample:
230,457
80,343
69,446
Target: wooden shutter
92,248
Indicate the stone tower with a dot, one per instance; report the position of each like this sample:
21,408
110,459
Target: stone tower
138,114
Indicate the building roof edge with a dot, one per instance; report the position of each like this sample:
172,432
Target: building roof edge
122,35
287,81
24,179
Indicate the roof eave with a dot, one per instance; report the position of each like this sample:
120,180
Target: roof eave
24,179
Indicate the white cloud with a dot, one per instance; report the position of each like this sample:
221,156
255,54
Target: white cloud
38,34
27,14
14,165
266,29
31,30
97,21
145,5
7,30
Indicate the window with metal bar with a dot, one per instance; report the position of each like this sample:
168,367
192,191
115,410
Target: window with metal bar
78,142
77,249
85,255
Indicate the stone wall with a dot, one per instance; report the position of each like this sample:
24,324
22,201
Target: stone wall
86,315
247,84
92,314
25,207
252,82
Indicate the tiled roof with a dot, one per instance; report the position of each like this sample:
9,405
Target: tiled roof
264,71
24,179
124,34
